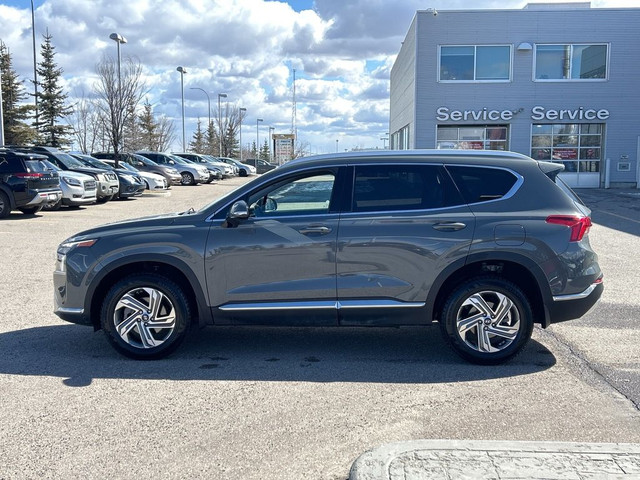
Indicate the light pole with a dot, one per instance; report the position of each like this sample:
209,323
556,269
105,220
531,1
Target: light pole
384,140
257,137
208,103
336,145
242,111
116,37
182,71
271,129
35,70
1,119
220,95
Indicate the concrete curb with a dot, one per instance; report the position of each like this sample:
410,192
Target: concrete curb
499,460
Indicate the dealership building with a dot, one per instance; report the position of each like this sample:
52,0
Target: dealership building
558,82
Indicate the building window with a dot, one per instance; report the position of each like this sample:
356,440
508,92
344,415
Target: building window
400,139
471,63
473,137
577,146
571,62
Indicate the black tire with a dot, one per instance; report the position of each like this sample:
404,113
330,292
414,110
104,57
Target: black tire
30,210
187,179
497,306
104,199
211,179
243,172
5,205
172,315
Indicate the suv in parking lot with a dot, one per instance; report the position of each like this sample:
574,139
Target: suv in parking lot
191,173
26,183
144,164
484,243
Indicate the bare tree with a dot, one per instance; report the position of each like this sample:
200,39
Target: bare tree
165,134
86,124
230,125
119,96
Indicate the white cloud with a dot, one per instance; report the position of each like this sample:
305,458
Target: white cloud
343,52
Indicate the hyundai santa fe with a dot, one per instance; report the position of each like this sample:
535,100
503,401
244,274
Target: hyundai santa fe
484,244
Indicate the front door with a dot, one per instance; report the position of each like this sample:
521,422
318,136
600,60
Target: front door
281,260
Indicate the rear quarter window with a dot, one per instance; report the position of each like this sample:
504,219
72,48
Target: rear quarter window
482,184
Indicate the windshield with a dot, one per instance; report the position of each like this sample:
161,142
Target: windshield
179,160
127,166
95,163
147,161
69,161
51,166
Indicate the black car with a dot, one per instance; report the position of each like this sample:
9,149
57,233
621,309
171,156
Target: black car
26,183
108,184
262,166
131,185
484,243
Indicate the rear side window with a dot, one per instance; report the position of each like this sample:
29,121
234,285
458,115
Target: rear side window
481,184
401,187
36,166
4,164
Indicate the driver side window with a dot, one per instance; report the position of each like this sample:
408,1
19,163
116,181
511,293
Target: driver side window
309,195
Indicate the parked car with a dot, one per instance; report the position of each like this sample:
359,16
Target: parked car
191,174
108,185
77,188
153,182
131,185
229,169
213,166
243,169
26,183
144,164
485,243
261,166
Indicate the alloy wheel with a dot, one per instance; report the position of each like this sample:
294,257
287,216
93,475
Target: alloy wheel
144,317
488,321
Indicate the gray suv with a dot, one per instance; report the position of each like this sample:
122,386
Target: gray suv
483,243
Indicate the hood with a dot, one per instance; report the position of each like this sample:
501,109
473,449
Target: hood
73,174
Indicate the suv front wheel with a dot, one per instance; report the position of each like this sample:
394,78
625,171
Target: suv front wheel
487,320
145,316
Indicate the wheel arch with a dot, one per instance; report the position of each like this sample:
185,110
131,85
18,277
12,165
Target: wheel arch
173,269
9,193
517,269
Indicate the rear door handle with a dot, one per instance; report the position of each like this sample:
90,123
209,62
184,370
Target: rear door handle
318,229
449,226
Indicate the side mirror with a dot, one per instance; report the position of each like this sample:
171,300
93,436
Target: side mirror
239,211
171,162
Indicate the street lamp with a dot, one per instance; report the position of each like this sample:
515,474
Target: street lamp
208,103
336,145
116,37
242,110
271,129
220,95
257,136
1,119
384,140
182,71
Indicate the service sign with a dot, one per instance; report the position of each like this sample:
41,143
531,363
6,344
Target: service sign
538,113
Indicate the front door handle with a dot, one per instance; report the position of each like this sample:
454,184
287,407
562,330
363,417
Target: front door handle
449,226
318,229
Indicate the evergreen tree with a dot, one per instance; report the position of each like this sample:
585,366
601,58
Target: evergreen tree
16,131
197,144
147,126
254,150
264,151
51,99
211,146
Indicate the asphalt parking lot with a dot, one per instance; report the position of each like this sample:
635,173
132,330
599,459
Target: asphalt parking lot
288,403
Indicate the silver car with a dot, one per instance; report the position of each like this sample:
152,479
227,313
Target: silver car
77,188
191,174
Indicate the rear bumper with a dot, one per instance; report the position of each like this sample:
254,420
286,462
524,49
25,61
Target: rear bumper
570,307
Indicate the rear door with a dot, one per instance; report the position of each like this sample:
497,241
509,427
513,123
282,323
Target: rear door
406,224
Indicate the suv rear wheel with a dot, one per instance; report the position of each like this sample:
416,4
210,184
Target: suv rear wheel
5,205
145,316
487,320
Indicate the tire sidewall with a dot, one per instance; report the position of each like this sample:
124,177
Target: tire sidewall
6,209
454,303
168,288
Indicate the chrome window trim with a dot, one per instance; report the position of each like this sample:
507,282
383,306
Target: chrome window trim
577,296
319,305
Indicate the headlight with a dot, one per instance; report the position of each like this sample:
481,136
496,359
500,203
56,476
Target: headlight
173,171
71,181
66,246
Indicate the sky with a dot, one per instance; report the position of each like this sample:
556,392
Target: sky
342,51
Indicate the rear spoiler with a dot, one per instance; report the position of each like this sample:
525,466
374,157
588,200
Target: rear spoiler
551,169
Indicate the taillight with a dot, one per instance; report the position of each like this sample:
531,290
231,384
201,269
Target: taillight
28,175
579,225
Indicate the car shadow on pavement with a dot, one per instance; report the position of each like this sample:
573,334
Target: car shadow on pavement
385,355
618,210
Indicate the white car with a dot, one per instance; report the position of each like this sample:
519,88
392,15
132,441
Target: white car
153,182
77,188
